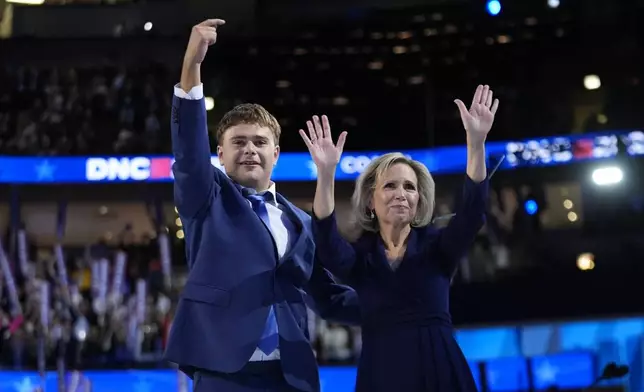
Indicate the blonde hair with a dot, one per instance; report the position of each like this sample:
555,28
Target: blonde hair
366,185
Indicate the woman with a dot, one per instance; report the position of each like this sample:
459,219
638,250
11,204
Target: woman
400,265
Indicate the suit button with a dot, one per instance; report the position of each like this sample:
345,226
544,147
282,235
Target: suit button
175,115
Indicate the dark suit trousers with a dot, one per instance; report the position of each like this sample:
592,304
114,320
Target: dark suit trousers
263,376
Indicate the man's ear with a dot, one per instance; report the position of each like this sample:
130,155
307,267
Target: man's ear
220,153
276,154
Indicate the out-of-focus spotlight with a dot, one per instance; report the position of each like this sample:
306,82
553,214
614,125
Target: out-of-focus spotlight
568,204
531,207
608,176
493,7
27,2
553,3
586,261
572,216
147,26
210,103
592,82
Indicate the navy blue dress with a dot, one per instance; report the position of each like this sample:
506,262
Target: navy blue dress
408,342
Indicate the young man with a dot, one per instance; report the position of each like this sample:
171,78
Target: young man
241,324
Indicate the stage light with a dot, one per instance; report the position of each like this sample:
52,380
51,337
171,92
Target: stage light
27,2
586,261
493,7
531,207
210,103
592,82
553,3
610,175
147,26
602,118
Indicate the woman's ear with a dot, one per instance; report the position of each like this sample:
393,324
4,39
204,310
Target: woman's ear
371,205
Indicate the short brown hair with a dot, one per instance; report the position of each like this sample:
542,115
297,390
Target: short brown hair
249,113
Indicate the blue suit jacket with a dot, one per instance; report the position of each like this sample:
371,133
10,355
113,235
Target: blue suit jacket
235,275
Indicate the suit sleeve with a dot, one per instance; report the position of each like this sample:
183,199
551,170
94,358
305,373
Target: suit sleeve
330,300
333,251
194,175
455,239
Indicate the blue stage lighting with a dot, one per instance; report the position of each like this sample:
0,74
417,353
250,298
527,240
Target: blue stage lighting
493,7
531,207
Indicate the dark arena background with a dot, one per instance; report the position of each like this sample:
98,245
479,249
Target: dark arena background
93,258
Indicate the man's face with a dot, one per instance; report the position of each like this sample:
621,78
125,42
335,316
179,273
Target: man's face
248,154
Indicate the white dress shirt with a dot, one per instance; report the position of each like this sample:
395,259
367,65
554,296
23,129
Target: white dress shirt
281,227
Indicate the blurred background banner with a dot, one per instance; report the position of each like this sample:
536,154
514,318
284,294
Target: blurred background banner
550,151
93,256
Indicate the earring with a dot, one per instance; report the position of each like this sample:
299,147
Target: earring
372,215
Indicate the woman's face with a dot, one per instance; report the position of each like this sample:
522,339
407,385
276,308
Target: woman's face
395,198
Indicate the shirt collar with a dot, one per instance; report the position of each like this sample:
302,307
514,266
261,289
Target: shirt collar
271,188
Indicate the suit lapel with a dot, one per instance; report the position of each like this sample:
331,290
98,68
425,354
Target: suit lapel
302,244
302,249
259,221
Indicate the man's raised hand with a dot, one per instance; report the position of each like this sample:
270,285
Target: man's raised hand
202,36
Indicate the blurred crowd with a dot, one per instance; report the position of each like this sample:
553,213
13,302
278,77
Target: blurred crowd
412,63
109,308
76,111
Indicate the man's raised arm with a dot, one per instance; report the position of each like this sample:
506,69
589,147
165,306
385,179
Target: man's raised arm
194,174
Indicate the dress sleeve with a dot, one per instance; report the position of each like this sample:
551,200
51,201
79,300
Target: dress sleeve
456,239
334,252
